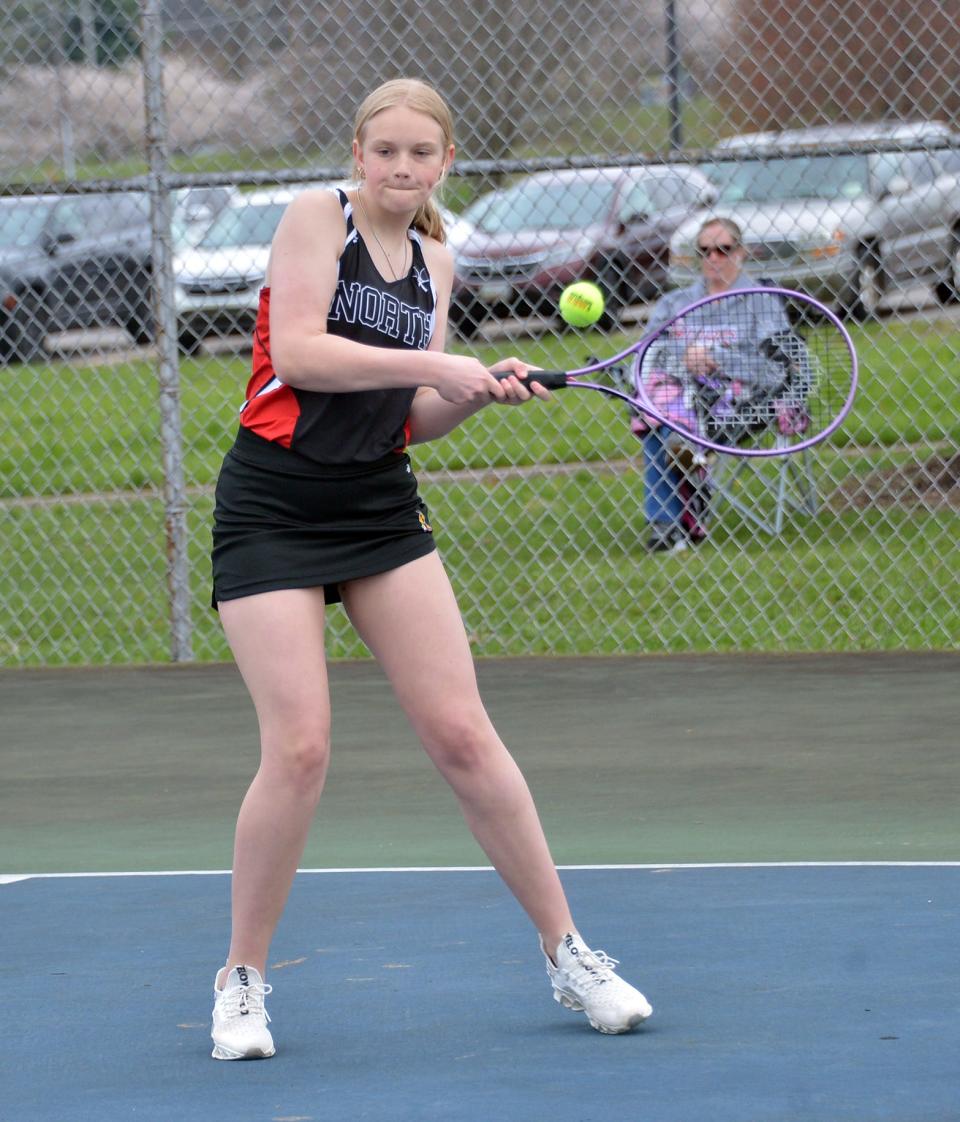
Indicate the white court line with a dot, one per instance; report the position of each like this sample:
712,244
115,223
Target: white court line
13,878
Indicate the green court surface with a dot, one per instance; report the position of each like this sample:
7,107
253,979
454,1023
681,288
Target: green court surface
771,844
679,759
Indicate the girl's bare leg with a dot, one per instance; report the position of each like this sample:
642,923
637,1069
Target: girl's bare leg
410,621
277,641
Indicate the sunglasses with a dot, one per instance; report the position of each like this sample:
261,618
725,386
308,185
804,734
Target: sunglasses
720,250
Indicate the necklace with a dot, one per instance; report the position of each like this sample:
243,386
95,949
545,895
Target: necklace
376,237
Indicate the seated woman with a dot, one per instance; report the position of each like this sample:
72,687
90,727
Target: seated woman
712,348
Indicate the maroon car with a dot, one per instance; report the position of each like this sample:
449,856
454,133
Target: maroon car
609,225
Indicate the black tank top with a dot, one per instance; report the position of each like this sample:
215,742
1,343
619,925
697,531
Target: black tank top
360,426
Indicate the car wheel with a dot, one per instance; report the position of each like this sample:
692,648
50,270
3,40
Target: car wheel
27,332
614,299
139,323
189,341
948,287
465,317
861,300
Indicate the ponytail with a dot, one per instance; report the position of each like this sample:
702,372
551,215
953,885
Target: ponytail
429,221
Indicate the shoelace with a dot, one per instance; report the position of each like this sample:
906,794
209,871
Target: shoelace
598,966
245,999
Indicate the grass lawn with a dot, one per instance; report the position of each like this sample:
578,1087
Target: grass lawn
542,562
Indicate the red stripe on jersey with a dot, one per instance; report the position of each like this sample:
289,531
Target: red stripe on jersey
274,413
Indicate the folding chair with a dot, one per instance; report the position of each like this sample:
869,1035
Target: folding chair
764,491
744,483
777,414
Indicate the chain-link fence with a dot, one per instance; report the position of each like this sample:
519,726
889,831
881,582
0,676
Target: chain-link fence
147,148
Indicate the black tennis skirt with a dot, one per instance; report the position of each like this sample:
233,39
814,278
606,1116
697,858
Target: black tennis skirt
281,521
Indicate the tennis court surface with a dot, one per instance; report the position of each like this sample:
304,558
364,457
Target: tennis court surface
770,844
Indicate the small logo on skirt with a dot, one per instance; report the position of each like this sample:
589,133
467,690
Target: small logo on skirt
424,524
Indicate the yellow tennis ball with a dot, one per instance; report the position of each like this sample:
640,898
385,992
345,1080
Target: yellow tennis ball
581,304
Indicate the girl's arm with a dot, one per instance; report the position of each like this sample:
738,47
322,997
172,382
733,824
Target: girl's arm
302,276
430,415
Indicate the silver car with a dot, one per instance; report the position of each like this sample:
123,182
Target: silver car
218,280
845,213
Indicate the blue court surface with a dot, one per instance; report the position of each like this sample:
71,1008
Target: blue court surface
781,993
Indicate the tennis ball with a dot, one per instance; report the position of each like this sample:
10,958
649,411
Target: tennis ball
581,304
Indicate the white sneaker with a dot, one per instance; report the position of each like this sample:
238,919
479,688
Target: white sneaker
584,981
239,1018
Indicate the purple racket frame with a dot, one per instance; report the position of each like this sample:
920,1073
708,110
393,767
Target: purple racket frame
571,379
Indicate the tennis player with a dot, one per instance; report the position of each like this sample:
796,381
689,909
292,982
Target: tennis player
316,503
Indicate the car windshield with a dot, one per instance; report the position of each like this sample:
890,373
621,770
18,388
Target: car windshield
22,221
253,224
183,235
563,204
792,177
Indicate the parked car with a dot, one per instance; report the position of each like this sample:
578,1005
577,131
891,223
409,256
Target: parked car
194,208
217,282
840,212
72,261
457,228
531,239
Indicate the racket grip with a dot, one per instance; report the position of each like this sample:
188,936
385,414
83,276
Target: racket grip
551,379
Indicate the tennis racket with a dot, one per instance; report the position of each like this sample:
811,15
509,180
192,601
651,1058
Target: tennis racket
756,371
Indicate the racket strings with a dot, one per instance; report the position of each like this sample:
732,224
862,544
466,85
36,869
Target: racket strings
751,371
784,388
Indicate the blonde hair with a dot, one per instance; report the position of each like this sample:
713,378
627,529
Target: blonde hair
424,99
727,224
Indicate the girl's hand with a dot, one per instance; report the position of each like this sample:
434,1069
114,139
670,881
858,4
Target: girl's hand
516,391
461,380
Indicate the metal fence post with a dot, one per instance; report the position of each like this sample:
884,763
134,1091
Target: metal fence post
674,75
168,368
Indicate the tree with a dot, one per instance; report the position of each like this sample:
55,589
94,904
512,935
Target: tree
501,64
817,61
